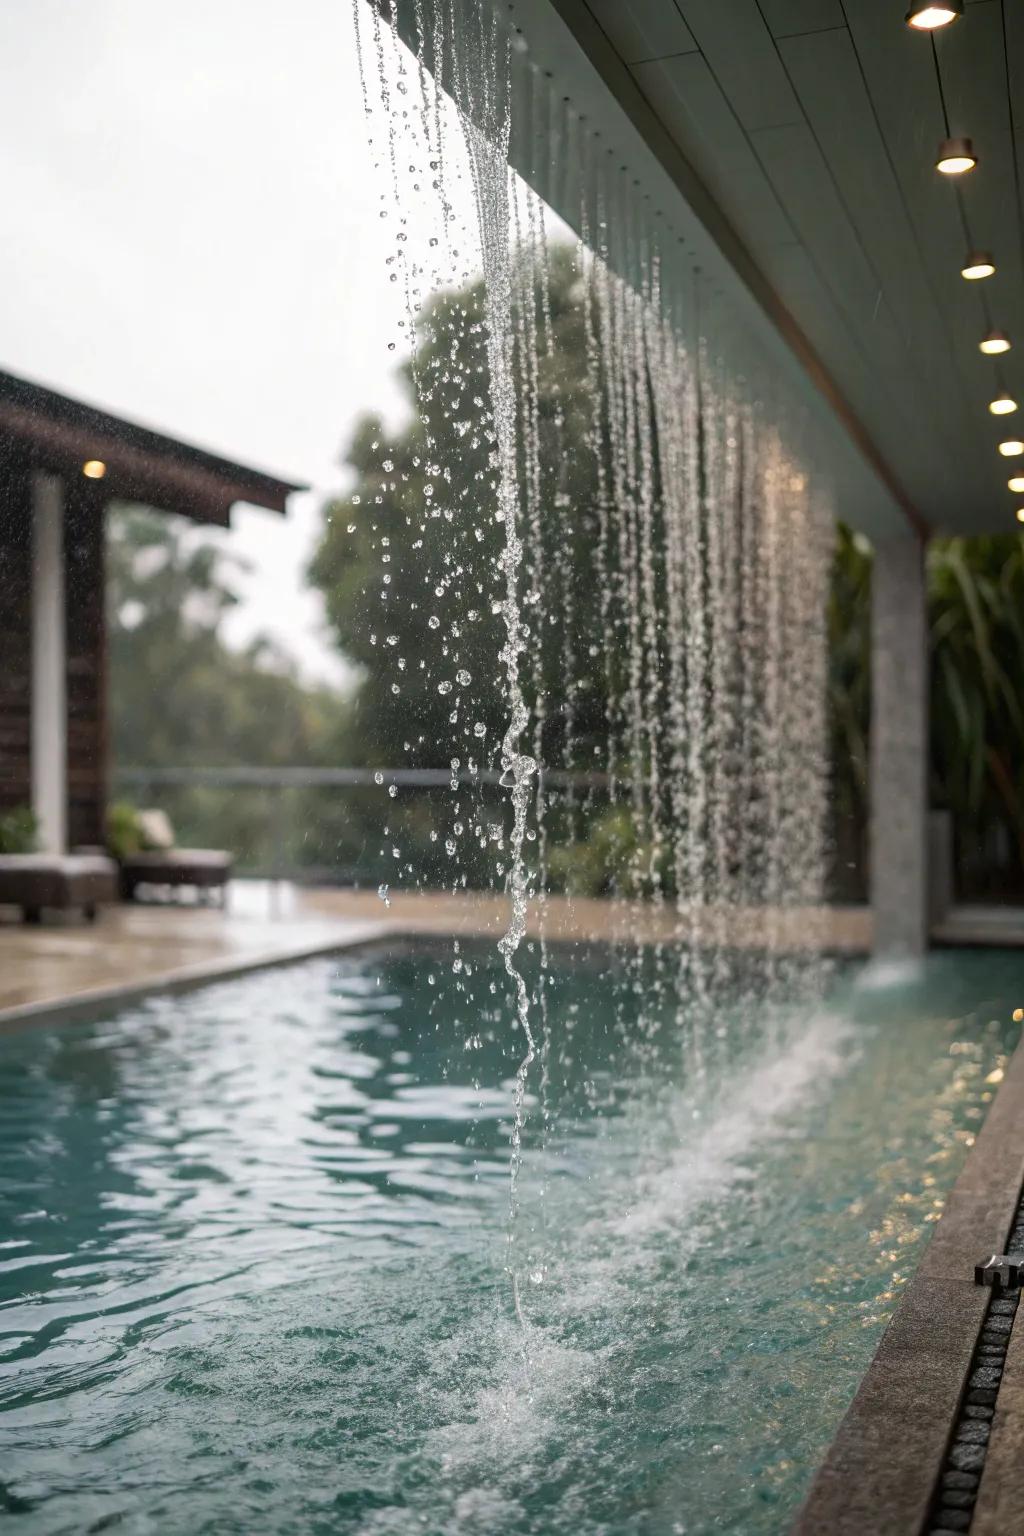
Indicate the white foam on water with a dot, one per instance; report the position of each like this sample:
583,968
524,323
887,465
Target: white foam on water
881,975
517,1426
710,1150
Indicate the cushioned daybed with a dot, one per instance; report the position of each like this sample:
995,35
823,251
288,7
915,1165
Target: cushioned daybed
205,869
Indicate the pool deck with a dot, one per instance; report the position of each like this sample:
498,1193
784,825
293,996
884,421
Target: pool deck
66,968
933,1441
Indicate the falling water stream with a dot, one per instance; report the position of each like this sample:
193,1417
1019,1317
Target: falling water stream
704,533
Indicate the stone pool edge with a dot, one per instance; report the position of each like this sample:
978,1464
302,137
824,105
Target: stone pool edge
882,1468
96,1002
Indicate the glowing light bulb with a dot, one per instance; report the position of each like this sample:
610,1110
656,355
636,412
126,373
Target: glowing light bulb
926,16
994,343
1012,448
955,156
94,469
1019,515
1002,405
977,265
1016,483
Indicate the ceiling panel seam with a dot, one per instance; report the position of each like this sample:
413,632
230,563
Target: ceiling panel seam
660,58
805,32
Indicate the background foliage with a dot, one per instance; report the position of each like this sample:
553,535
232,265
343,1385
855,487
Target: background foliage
976,633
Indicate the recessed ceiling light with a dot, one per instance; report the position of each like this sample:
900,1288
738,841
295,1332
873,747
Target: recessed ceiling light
955,156
978,264
94,469
994,343
1002,405
925,17
1016,483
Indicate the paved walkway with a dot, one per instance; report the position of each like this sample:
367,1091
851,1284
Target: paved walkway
845,930
74,968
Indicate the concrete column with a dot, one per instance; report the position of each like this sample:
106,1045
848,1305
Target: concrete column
899,750
49,665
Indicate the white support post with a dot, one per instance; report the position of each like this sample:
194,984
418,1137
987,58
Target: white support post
49,665
899,750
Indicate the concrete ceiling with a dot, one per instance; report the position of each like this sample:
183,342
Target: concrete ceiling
802,134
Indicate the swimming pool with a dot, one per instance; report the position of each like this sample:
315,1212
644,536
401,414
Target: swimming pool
253,1249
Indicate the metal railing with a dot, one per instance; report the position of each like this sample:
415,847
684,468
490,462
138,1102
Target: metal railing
290,810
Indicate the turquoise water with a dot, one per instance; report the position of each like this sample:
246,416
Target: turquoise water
253,1250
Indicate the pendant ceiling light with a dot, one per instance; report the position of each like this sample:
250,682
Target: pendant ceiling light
979,264
955,156
994,343
1012,448
1016,483
1019,514
926,17
1002,405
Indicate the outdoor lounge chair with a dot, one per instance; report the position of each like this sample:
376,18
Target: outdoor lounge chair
40,881
205,869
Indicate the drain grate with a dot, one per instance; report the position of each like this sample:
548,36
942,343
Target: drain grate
953,1507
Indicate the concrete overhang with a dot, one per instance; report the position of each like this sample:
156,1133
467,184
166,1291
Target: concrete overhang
788,148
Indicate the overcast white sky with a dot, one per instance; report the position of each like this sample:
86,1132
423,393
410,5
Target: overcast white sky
189,237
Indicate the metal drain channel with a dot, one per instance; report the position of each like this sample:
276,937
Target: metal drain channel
952,1511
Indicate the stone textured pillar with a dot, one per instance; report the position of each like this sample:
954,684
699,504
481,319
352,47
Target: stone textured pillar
899,750
49,665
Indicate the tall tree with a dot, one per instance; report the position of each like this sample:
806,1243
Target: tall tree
178,693
409,563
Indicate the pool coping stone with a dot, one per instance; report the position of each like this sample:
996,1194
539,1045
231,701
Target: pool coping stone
882,1468
96,1002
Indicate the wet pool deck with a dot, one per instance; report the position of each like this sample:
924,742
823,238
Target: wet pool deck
67,968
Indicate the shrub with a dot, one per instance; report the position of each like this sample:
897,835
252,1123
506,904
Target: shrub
18,830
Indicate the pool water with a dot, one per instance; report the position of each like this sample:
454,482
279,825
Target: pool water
254,1249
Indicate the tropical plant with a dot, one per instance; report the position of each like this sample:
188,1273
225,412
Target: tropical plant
123,836
976,618
19,830
975,594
